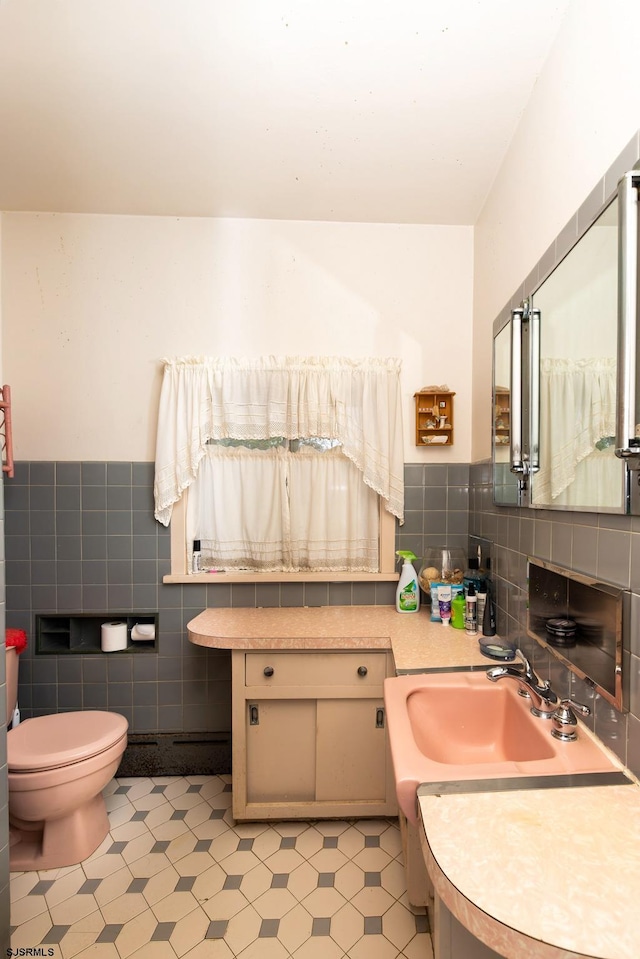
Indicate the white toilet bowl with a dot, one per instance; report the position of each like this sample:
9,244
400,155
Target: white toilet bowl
58,766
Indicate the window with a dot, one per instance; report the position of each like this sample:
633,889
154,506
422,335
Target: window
293,506
291,466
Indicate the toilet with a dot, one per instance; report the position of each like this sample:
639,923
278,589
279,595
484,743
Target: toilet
58,766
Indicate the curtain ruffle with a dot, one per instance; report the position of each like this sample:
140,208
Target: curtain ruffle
356,401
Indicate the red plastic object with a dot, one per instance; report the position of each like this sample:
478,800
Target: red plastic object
17,638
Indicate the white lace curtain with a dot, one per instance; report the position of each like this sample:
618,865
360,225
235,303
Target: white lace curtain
357,402
578,400
273,509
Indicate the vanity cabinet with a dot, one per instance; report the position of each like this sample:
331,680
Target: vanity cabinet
451,940
309,734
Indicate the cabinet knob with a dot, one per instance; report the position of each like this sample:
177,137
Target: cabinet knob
268,670
362,670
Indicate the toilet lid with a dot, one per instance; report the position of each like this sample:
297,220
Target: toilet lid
47,742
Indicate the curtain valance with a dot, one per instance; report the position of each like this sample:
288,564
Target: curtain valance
355,401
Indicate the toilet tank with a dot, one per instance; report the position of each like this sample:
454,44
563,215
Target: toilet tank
12,680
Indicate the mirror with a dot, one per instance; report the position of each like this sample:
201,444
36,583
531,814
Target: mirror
566,366
577,306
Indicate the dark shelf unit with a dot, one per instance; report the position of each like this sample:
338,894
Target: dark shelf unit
81,632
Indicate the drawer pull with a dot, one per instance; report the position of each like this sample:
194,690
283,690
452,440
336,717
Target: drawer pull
362,670
268,670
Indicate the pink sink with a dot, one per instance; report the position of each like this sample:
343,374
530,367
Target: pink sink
452,726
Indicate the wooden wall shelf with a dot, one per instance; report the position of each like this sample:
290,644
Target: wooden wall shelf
502,416
434,417
6,433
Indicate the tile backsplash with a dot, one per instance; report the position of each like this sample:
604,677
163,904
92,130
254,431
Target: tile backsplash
81,537
601,545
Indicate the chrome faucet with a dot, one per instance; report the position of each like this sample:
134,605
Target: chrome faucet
564,720
542,697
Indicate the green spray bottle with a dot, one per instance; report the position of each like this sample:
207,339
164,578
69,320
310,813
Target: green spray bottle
408,591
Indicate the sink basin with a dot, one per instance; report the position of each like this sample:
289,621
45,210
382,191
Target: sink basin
454,726
475,723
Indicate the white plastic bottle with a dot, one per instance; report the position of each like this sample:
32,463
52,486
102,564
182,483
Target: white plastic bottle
408,591
471,611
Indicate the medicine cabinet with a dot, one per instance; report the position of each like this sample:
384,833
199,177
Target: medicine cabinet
565,388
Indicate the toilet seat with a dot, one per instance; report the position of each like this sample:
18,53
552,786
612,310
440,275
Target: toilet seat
62,739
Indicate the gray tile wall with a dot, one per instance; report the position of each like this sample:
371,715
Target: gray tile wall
81,537
598,544
436,508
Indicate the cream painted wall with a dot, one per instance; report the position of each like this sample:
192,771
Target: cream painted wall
90,305
583,111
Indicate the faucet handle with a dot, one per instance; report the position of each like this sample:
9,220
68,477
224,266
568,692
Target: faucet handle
579,707
521,656
565,721
528,669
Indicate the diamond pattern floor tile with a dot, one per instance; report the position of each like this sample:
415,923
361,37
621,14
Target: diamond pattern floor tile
177,878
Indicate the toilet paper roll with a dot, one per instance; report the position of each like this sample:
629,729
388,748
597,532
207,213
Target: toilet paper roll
143,632
113,637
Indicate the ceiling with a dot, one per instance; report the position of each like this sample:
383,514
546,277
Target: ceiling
394,111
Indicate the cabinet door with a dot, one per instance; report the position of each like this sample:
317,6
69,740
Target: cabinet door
281,760
351,753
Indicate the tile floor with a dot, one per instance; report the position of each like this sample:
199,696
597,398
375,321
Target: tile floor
177,877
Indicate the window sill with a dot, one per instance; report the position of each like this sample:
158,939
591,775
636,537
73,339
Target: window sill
212,578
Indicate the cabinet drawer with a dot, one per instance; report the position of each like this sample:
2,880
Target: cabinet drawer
315,668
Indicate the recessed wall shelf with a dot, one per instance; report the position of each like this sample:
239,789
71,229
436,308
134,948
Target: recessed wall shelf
82,633
599,611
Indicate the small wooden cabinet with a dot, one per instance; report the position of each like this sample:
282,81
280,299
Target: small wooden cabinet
502,416
434,417
309,734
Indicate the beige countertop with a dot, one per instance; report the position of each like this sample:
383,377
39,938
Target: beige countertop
545,873
416,642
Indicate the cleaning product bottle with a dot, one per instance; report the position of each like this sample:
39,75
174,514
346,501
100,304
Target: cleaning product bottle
458,604
472,574
408,591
